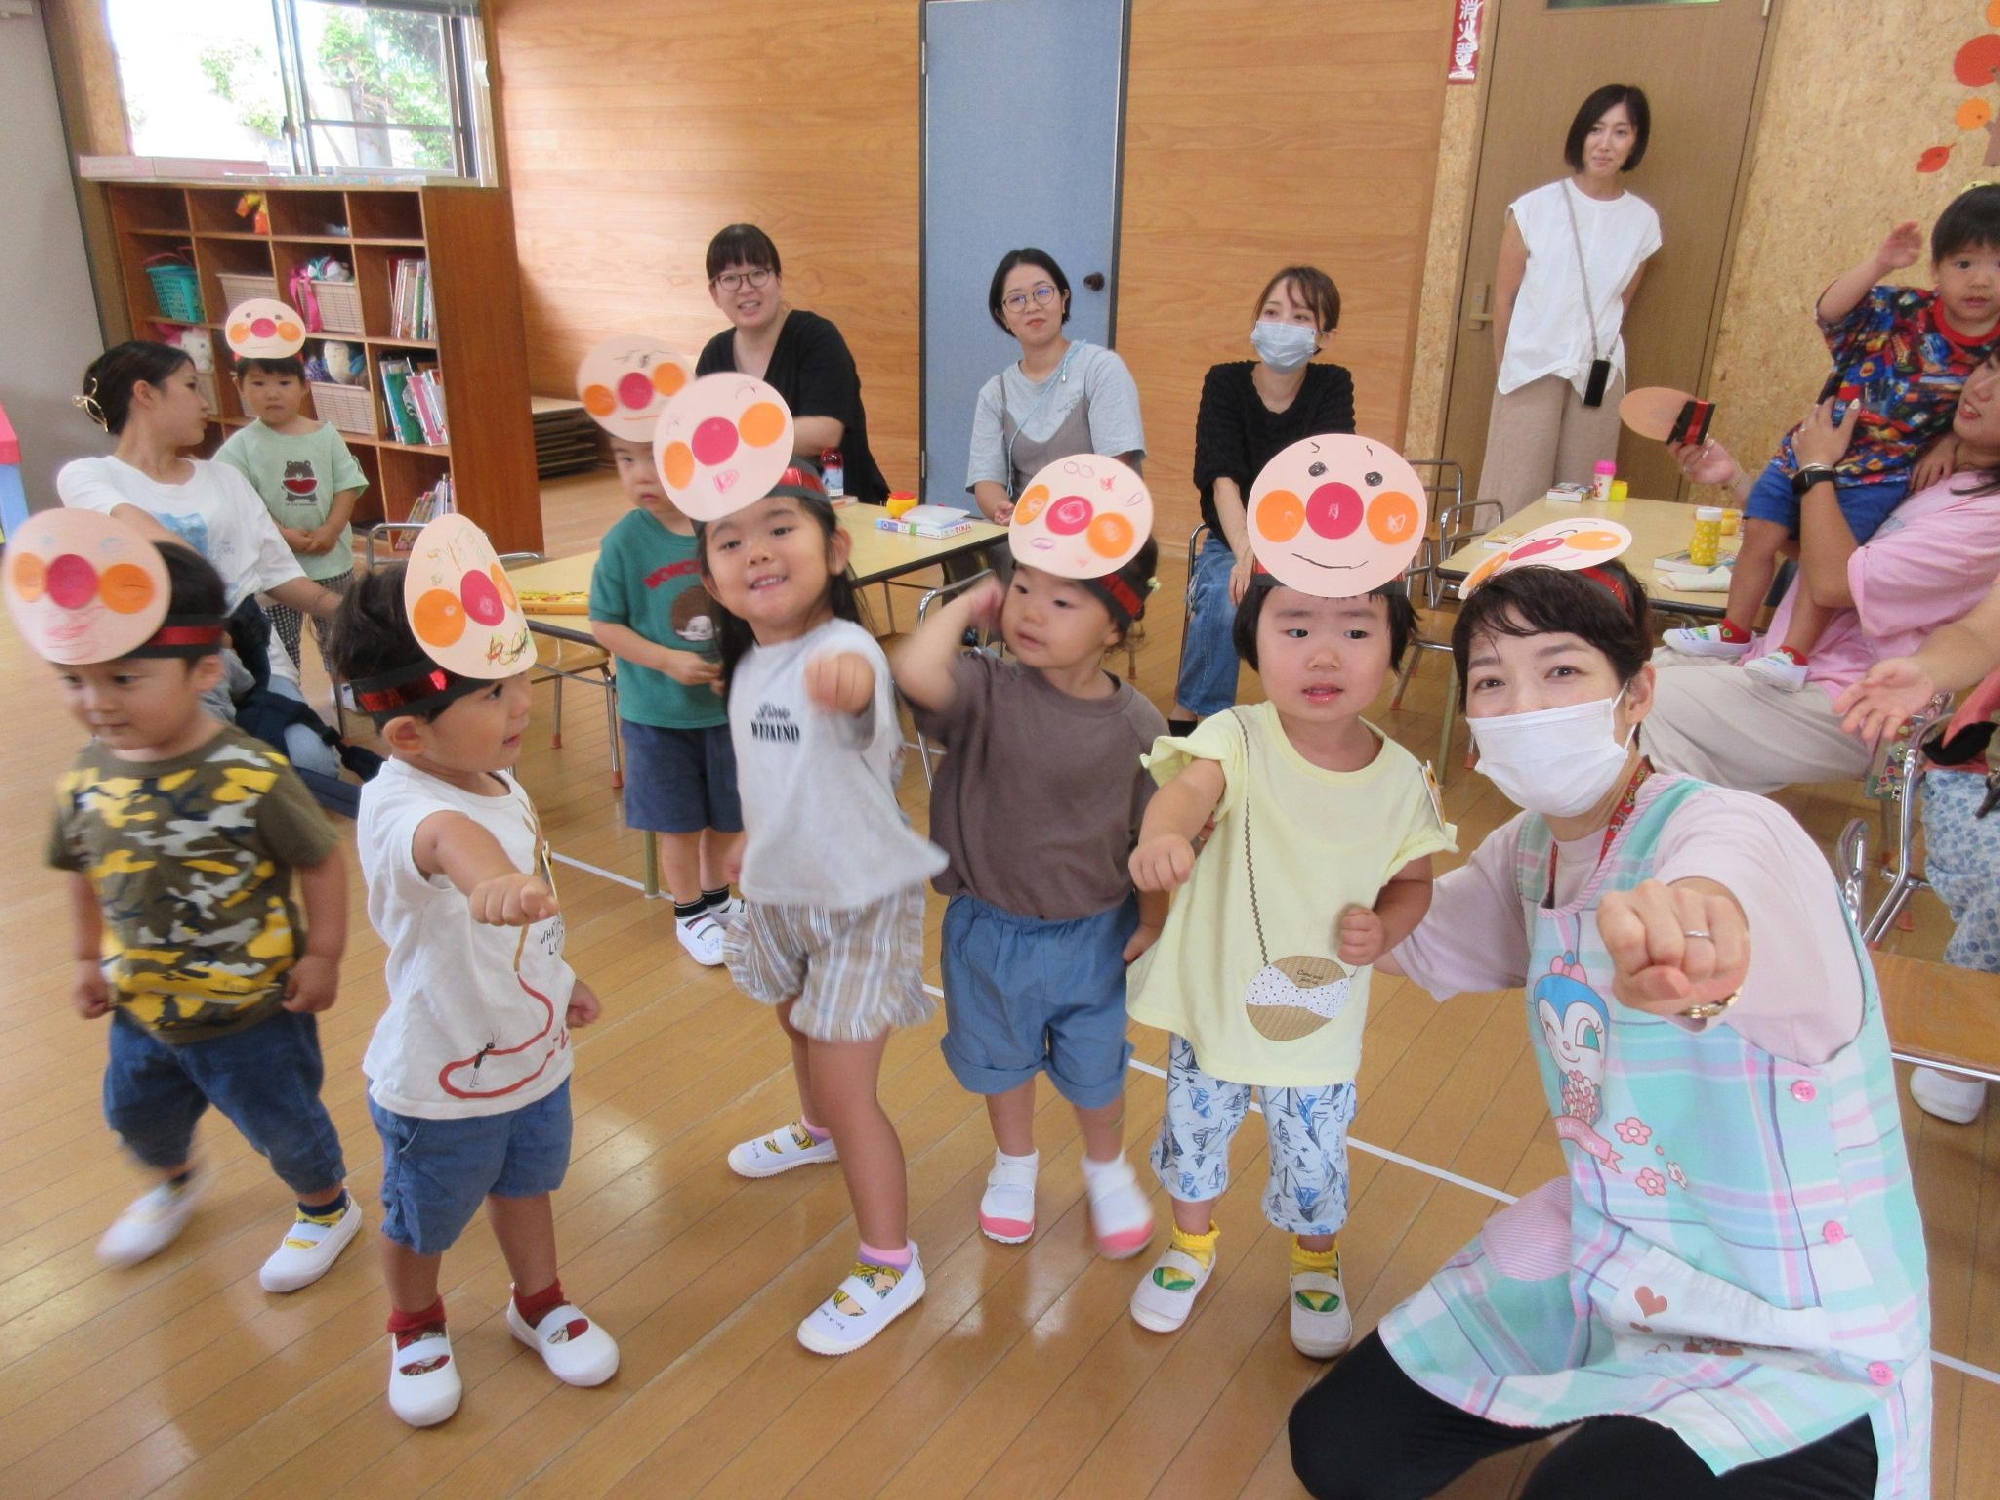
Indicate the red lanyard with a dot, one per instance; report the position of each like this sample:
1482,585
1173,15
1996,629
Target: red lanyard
1618,817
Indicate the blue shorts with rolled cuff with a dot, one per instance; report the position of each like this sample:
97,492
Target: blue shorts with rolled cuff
680,780
1865,506
1023,996
436,1173
265,1080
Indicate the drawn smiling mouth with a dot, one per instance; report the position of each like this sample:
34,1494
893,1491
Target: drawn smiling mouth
1329,567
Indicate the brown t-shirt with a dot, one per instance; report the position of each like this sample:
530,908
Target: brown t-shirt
1039,795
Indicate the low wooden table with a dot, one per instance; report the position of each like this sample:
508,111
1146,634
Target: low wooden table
1659,528
1940,1014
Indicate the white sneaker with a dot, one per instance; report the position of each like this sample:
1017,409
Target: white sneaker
702,936
787,1147
1007,1212
575,1349
424,1387
151,1222
1779,670
868,1301
309,1250
1120,1217
1165,1295
1948,1096
1322,1326
729,911
1706,640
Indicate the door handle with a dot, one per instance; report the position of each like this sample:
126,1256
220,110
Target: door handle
1094,281
1482,317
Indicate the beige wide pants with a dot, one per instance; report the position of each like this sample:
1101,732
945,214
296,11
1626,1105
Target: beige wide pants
1543,434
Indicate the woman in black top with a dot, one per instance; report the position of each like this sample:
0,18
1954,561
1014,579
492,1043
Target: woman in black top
800,353
1250,411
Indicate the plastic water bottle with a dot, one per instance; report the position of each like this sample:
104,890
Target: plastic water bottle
833,473
1705,546
1605,471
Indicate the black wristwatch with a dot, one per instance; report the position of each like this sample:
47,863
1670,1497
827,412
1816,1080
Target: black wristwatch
1809,476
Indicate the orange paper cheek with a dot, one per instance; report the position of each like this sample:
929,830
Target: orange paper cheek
1280,514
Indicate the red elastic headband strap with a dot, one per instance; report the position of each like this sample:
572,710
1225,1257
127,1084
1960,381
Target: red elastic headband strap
390,694
1121,591
1610,581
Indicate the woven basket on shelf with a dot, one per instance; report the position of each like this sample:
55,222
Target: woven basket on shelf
351,408
339,307
176,287
238,288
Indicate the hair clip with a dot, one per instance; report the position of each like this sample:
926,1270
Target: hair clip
87,404
1152,584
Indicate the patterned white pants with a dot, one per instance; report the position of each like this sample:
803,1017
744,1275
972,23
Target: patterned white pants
1962,863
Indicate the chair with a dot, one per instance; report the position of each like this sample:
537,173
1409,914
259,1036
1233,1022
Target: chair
1896,780
1457,524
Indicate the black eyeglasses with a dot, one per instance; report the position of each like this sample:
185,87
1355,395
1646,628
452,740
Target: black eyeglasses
756,280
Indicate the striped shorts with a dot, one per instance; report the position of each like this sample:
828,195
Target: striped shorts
855,974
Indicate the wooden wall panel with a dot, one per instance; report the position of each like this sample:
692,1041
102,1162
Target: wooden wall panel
1256,135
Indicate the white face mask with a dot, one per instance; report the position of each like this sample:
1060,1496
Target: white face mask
1555,761
1284,346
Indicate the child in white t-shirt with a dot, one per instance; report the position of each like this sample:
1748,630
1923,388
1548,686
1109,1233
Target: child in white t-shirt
1321,832
833,875
469,1066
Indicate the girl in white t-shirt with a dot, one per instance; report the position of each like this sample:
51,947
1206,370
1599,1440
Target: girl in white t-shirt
833,875
1570,260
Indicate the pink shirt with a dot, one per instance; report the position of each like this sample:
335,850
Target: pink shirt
1934,558
1802,999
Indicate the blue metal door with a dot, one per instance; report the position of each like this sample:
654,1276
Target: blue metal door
1023,128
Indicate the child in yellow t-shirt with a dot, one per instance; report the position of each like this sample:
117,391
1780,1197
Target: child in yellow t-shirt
1322,837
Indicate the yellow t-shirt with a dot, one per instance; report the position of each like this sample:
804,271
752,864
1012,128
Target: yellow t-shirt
1245,969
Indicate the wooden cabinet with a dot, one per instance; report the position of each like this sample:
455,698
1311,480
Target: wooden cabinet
466,235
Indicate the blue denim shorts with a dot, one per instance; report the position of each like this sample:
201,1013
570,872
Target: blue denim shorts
1023,996
436,1173
1209,663
680,780
264,1079
1865,506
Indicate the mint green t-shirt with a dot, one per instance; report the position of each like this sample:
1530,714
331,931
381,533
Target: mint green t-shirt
297,478
648,579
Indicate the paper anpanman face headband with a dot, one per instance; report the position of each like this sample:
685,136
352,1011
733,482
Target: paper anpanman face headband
83,588
1081,517
1571,546
1336,515
721,444
264,328
462,608
627,380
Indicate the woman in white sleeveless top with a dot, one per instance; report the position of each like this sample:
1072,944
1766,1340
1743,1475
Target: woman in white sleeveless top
1570,261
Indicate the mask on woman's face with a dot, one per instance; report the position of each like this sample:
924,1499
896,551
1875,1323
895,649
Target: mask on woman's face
1284,346
1555,761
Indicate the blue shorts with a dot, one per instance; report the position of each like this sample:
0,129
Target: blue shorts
436,1173
264,1079
1866,506
1023,996
680,780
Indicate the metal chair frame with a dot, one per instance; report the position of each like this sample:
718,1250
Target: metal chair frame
1902,765
1457,524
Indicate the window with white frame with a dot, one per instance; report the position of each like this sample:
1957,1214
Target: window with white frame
308,87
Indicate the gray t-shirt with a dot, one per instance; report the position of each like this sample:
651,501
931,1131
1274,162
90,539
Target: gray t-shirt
1039,407
1039,795
819,789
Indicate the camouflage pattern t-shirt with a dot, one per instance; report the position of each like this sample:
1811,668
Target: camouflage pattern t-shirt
192,862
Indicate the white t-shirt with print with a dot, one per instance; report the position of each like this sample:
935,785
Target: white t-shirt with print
476,1019
819,789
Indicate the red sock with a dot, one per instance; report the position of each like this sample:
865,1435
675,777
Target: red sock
1734,633
1792,654
408,1325
534,1309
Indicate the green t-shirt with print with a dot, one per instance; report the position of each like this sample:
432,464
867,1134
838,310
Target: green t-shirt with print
192,861
297,477
648,579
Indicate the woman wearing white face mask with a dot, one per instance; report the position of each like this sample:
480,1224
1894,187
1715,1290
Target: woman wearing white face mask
1729,1279
1251,410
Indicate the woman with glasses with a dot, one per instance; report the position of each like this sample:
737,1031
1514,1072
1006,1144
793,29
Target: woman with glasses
798,352
1252,410
1059,398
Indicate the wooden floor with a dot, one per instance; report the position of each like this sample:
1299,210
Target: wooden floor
1019,1375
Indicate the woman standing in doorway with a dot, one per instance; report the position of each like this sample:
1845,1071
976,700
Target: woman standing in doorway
1571,257
800,353
1061,397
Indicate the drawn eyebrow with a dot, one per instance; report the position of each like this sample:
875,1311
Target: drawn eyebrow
1313,444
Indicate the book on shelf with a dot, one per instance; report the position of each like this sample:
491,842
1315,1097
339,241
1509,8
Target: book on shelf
412,312
432,503
414,392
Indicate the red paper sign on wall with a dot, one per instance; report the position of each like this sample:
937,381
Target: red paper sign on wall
1465,42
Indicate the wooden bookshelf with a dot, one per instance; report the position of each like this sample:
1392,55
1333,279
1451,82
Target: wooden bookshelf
480,345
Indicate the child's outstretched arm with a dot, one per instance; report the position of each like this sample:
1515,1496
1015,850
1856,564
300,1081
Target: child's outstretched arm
1366,934
1902,247
314,982
625,643
1164,855
90,993
452,845
922,663
841,682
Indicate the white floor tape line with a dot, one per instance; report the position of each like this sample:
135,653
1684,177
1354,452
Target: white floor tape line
577,864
